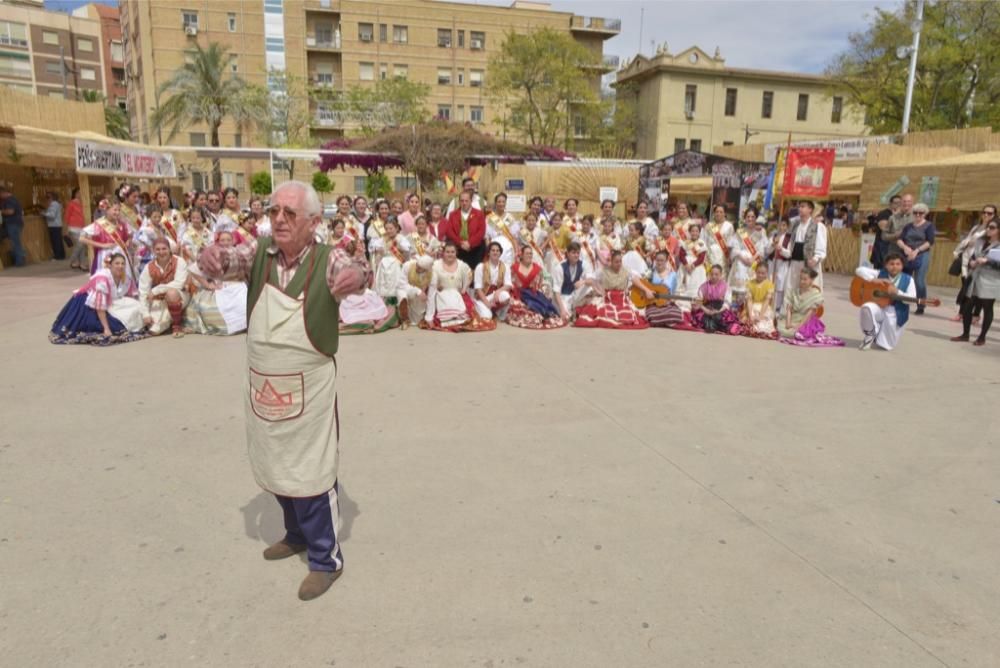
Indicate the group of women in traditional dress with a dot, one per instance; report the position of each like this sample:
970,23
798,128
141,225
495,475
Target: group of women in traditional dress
548,269
144,279
551,268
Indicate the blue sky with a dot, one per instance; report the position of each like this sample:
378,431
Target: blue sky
792,35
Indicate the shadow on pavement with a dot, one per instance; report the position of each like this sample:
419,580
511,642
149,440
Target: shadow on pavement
262,519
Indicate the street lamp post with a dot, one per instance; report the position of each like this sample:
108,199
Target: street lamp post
917,25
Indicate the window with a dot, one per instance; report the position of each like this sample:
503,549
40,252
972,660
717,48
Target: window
478,40
444,112
383,71
366,32
88,74
444,37
359,183
461,38
400,71
383,32
273,7
476,114
767,104
695,144
85,45
324,74
679,145
579,125
730,102
274,44
838,109
196,138
460,116
49,37
690,99
118,73
232,180
234,64
238,140
400,34
15,65
231,19
475,78
803,111
444,76
324,33
122,103
117,52
20,88
190,19
727,143
461,76
366,71
13,34
199,180
53,67
405,183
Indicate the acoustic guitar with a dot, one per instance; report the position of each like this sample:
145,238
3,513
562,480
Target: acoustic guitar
661,295
877,291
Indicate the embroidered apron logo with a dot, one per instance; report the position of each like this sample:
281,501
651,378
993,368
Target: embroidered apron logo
277,397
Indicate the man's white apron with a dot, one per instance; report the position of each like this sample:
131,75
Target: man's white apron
291,401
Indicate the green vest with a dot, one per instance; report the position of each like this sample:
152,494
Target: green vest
322,312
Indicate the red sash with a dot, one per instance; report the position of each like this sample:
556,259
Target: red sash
722,243
748,242
586,246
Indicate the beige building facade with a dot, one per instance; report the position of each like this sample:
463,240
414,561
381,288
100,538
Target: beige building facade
336,44
691,100
49,53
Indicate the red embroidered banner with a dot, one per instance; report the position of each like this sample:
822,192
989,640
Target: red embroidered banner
808,172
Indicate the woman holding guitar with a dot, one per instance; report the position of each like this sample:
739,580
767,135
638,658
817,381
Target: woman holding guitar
663,276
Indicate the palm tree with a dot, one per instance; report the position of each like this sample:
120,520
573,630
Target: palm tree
115,121
206,91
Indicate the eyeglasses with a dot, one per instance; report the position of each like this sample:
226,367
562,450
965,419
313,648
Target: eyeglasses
991,227
989,213
919,213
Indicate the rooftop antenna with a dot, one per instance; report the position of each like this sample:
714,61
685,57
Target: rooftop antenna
642,16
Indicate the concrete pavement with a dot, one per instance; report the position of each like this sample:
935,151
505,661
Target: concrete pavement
565,498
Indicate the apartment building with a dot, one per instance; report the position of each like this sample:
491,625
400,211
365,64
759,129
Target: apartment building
337,44
691,100
49,53
113,50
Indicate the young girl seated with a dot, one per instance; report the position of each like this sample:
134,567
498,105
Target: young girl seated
801,325
712,313
758,309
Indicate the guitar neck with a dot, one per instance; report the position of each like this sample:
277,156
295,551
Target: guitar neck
907,300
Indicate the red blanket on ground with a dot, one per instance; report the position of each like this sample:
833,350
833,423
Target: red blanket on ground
615,312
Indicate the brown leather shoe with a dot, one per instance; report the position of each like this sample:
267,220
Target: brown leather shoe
282,550
316,584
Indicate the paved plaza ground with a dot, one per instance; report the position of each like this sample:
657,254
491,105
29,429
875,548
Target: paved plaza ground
566,498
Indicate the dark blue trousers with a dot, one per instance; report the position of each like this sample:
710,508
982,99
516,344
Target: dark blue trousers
312,521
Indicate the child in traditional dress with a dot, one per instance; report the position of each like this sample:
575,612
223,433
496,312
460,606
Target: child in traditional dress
801,325
758,309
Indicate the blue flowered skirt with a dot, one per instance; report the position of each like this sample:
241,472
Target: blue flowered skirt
78,323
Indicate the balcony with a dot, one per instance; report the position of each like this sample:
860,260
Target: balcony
323,6
595,24
606,64
323,42
328,118
7,40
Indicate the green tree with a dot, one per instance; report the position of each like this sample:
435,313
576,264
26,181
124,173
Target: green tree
322,183
287,123
957,82
377,185
115,121
390,103
539,80
260,183
206,91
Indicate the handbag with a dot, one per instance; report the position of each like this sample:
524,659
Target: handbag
956,267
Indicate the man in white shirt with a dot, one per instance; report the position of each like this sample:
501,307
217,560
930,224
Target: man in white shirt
883,326
571,282
808,247
469,186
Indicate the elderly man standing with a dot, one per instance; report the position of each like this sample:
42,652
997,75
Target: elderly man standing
295,286
893,227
